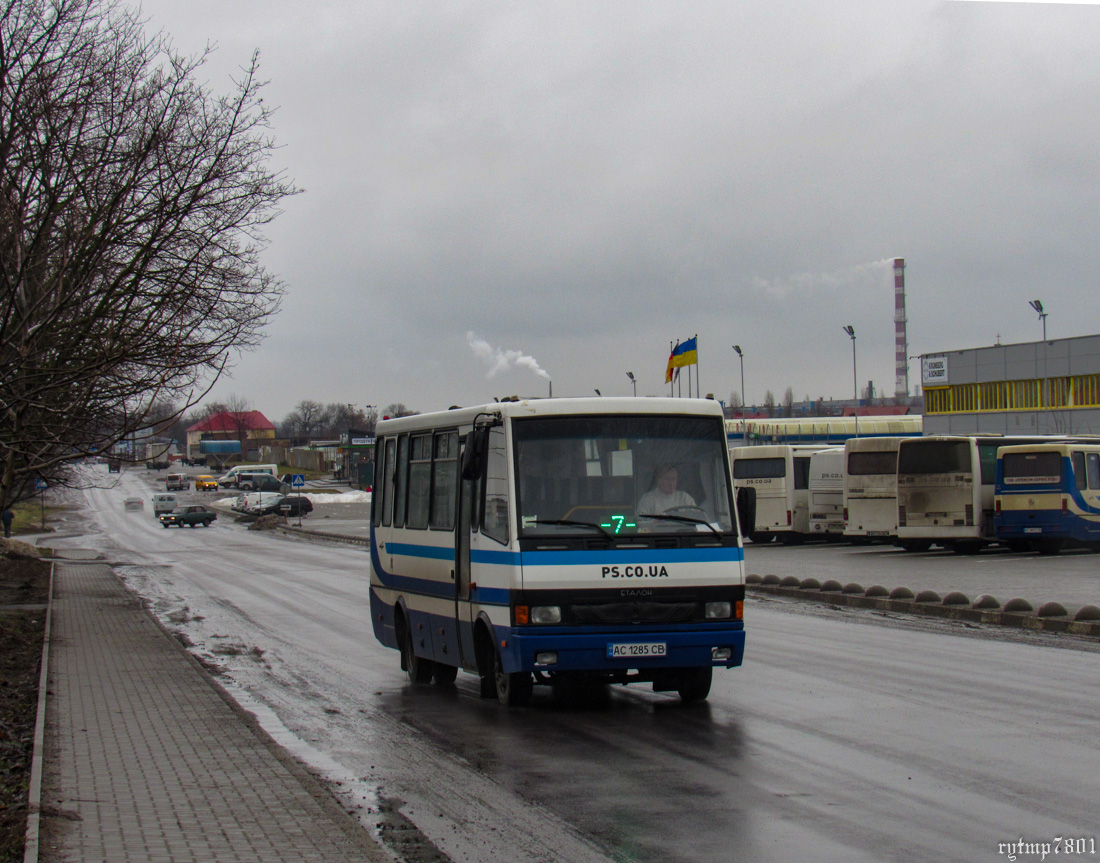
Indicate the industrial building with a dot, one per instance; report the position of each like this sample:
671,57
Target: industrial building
1045,387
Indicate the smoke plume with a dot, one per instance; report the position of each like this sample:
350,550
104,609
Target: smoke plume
500,360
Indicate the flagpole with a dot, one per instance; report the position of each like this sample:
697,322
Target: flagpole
696,337
672,377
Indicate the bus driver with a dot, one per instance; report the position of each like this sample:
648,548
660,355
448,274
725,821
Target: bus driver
664,496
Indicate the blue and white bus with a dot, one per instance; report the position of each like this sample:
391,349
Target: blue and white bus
1047,496
551,541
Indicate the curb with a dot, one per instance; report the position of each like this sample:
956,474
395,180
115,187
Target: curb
1051,617
318,534
38,751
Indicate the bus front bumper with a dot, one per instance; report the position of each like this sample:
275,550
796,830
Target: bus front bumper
547,650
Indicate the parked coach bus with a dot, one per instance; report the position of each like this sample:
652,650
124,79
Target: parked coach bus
779,475
871,489
1047,496
826,494
945,489
551,541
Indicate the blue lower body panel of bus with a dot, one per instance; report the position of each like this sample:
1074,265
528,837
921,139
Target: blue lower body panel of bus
602,650
1014,525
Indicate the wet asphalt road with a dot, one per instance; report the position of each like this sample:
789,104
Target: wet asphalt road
847,736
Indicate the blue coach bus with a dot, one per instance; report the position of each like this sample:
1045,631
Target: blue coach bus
1047,496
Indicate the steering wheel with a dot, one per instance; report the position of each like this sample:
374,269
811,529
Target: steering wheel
672,510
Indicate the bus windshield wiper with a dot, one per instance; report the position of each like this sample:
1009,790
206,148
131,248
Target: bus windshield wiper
684,518
569,523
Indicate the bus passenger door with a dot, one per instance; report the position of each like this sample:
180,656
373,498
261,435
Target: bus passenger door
467,492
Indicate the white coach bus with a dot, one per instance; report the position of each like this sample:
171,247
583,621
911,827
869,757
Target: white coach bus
871,488
779,476
826,494
547,541
946,489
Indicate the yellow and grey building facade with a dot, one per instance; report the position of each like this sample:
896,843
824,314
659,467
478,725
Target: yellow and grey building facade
1047,387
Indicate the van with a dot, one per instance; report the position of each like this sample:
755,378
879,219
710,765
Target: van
163,502
176,482
230,480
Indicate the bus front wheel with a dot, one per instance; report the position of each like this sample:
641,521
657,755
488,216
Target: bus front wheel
695,684
513,688
419,669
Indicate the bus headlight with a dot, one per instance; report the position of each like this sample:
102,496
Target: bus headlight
717,610
721,654
546,614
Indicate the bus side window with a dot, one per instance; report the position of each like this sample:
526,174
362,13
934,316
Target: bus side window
494,508
1079,470
420,481
387,481
444,481
1094,470
401,481
379,482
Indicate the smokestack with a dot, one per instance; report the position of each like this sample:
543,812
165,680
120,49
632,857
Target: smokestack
901,343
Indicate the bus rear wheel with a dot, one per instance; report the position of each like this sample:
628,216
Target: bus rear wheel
513,688
1048,546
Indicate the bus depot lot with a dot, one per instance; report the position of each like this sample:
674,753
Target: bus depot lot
1071,578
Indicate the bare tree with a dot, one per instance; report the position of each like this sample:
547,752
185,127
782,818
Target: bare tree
788,402
132,204
303,421
398,410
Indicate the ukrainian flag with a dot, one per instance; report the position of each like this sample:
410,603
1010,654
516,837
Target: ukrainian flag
685,354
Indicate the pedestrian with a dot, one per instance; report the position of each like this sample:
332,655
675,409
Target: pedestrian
7,516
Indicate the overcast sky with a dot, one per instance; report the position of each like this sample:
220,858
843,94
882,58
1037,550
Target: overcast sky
500,193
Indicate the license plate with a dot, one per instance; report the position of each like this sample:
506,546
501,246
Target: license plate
631,651
1033,530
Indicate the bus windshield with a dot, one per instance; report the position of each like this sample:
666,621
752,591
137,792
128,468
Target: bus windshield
1032,467
621,475
928,457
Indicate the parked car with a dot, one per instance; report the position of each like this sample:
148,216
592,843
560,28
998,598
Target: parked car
114,465
247,502
261,482
177,482
156,465
188,516
293,505
206,483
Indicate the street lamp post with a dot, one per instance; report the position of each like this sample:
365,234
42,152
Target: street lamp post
850,330
634,382
741,356
1038,306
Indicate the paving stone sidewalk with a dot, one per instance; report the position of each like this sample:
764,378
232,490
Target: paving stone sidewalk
146,759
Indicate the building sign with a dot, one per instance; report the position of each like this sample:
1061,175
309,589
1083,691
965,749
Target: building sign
362,441
933,371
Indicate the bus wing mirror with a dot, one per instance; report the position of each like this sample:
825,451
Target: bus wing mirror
746,510
473,457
